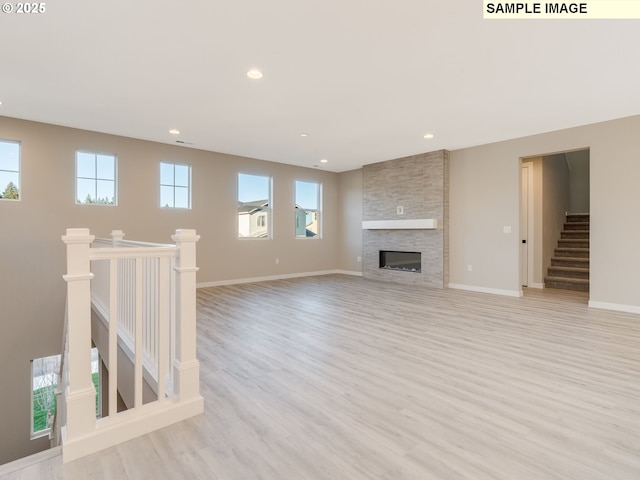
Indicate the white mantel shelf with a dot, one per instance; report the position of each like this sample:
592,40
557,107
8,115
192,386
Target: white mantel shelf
416,224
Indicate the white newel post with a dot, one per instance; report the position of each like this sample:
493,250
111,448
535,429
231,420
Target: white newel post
80,395
186,366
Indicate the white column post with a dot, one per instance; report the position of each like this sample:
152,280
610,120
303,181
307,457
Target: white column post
79,394
186,366
116,237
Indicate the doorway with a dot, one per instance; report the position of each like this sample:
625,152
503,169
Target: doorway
552,188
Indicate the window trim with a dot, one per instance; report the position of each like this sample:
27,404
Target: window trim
19,171
45,431
269,210
115,178
174,186
319,212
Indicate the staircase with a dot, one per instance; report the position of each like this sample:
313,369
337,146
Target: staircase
136,302
569,268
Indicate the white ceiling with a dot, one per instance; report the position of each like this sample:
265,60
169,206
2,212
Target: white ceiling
364,79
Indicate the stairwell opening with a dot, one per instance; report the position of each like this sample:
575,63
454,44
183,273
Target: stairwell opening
555,220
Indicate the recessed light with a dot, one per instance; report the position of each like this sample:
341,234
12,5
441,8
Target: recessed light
254,74
429,136
304,134
324,160
173,131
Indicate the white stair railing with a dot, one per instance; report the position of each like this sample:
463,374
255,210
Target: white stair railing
143,296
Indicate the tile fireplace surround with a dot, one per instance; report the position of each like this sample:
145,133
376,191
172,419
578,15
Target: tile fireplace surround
420,185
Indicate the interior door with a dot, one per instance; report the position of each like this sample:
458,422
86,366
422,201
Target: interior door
524,223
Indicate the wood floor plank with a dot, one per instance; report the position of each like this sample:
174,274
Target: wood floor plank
337,377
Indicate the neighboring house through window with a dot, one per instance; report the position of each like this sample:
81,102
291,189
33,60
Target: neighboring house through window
175,185
9,170
95,178
254,206
307,209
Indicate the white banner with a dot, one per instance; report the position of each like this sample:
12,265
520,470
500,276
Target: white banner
586,9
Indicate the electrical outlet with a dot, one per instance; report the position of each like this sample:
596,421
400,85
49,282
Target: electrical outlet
470,268
277,261
400,210
506,229
359,259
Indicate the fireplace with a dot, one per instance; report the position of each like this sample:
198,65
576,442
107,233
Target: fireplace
402,261
405,210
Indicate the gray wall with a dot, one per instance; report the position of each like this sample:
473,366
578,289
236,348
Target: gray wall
32,255
484,197
579,180
350,220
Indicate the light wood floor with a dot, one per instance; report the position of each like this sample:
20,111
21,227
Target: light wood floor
340,378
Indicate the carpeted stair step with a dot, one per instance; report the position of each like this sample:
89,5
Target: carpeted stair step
570,262
572,252
569,268
576,226
568,272
573,243
575,234
578,217
578,284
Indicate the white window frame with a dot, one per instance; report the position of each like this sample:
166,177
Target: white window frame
269,210
318,211
96,178
47,430
19,171
174,186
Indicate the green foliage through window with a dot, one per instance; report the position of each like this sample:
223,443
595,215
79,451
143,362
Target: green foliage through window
44,373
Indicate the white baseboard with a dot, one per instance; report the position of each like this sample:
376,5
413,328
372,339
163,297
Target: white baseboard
494,291
536,285
25,462
349,272
614,306
286,276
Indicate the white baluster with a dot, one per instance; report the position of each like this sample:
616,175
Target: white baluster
139,354
114,314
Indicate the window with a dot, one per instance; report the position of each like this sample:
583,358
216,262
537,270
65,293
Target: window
175,185
9,170
307,209
44,381
95,178
254,206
